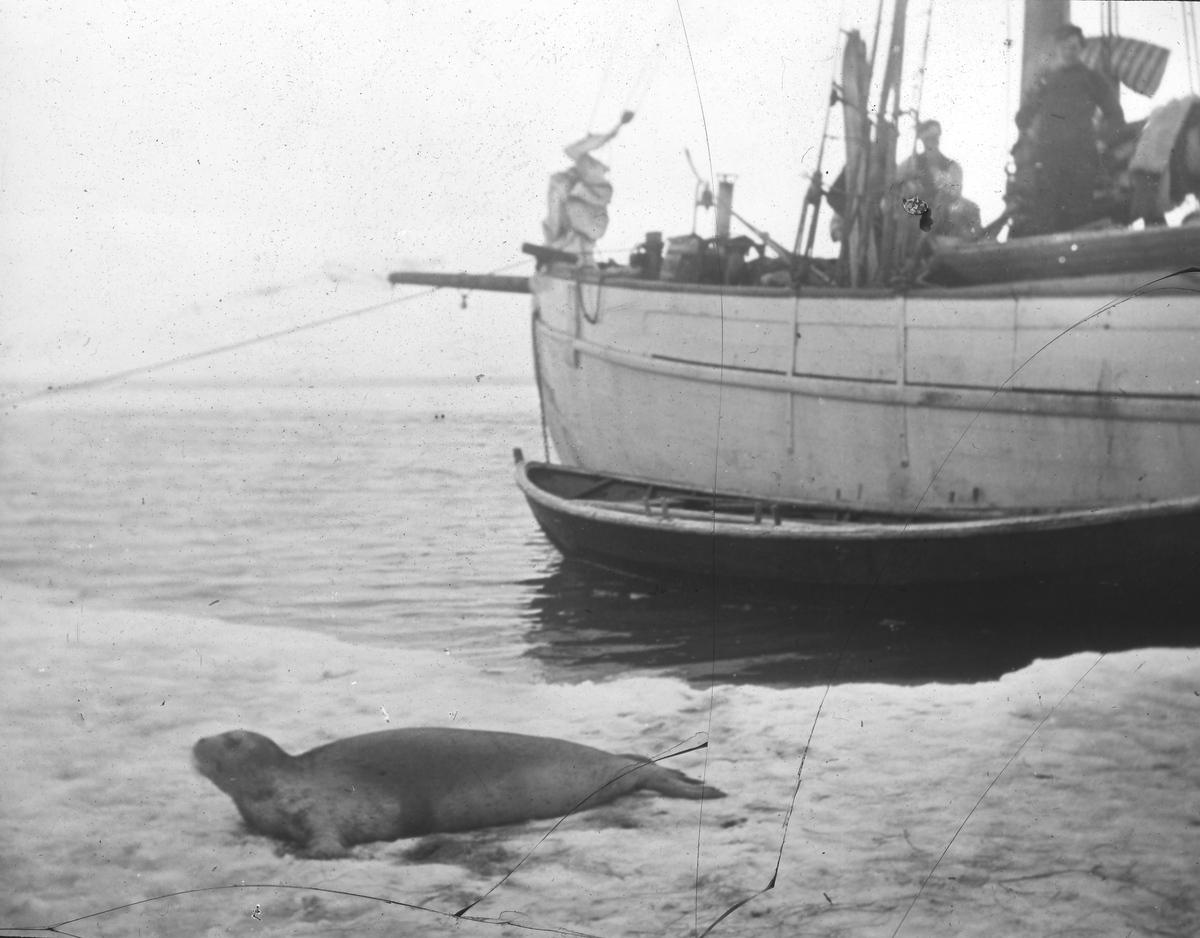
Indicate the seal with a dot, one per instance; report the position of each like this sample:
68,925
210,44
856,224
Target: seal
422,780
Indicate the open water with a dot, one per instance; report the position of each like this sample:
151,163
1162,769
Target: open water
387,513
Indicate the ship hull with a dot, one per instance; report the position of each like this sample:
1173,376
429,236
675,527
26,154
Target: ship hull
1040,396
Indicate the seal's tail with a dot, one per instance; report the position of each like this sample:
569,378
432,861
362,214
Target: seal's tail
675,784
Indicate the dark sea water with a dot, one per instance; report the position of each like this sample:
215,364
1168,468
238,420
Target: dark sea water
385,513
388,513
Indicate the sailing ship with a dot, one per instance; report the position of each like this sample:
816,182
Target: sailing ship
966,388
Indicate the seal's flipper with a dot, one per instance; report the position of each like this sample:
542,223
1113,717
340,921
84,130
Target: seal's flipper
673,783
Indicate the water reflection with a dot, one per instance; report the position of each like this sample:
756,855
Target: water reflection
588,621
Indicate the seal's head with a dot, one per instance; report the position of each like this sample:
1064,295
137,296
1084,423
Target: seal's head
239,761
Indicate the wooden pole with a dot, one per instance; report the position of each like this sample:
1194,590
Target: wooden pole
884,171
1042,18
494,282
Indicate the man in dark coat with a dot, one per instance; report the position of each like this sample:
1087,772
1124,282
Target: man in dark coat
1057,114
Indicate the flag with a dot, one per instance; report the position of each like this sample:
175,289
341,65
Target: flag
1138,65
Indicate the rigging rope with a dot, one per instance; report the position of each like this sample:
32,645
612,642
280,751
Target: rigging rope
1194,58
1008,61
600,91
1195,44
712,680
229,347
651,62
1191,45
1187,45
921,72
1110,33
816,176
875,40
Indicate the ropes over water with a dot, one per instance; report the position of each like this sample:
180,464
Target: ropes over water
141,370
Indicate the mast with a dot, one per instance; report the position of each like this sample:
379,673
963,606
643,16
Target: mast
856,83
1042,18
886,132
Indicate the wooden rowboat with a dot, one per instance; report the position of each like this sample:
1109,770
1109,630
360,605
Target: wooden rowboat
640,525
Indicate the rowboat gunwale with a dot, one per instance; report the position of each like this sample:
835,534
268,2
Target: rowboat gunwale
919,527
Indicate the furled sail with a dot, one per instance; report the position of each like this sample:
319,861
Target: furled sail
577,211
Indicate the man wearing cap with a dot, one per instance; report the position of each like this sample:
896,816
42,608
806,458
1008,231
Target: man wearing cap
937,180
930,174
1057,113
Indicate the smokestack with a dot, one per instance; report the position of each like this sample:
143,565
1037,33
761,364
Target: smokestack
724,205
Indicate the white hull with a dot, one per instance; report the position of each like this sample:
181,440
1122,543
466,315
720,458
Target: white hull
879,400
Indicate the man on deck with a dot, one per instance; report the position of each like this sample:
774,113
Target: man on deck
932,176
1057,113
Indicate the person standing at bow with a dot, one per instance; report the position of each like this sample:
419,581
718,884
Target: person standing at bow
1058,115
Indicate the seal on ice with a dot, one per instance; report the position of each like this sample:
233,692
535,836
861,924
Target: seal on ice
423,780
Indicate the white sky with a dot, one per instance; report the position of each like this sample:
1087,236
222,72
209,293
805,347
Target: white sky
157,157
